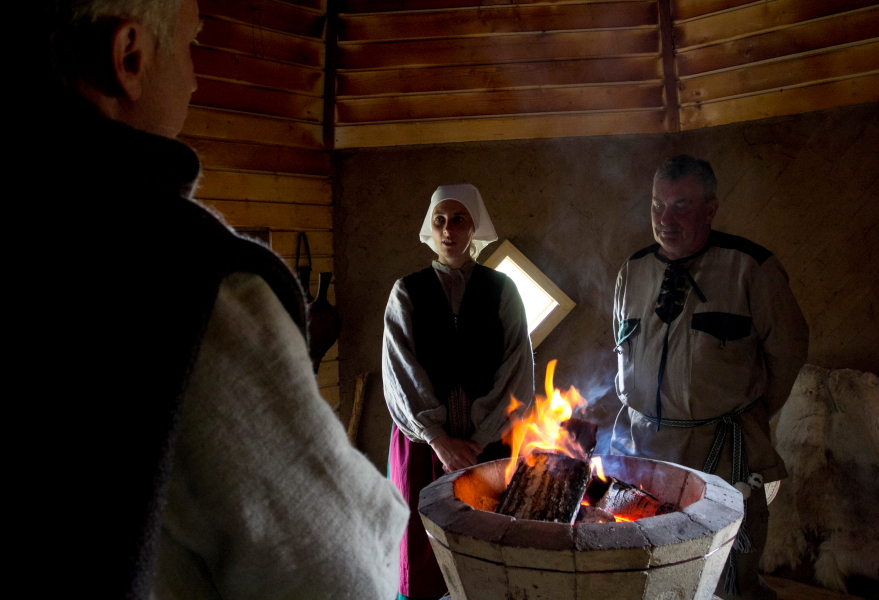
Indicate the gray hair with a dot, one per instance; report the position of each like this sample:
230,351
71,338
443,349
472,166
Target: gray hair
682,165
79,29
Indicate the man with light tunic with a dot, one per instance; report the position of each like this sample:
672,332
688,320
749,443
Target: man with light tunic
175,427
710,340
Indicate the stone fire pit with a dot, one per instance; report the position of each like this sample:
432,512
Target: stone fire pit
676,556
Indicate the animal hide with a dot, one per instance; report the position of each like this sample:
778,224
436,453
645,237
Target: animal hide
827,512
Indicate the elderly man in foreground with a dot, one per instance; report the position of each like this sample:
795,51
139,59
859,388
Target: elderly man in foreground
710,340
191,455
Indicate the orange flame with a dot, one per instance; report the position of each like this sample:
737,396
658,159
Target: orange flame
541,426
598,468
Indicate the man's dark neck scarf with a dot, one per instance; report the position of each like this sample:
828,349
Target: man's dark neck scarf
670,304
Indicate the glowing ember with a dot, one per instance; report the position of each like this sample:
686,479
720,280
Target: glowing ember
541,426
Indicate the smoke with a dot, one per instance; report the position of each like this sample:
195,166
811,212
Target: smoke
596,386
597,389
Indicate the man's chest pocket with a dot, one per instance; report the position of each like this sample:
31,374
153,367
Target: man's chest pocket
627,329
726,327
626,336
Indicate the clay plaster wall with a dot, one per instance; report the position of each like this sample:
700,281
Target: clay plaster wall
806,187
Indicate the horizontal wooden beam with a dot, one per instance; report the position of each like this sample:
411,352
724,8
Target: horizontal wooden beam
233,96
240,213
784,101
259,157
497,19
261,43
500,49
832,64
268,14
318,5
262,187
500,128
498,76
318,264
368,6
257,71
756,17
234,126
804,37
285,242
503,102
687,9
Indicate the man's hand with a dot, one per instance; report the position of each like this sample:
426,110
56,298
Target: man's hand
455,453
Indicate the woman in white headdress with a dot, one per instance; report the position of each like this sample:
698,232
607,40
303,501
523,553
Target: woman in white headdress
456,347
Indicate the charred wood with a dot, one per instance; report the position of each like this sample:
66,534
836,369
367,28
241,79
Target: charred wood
596,489
627,501
584,434
548,490
593,514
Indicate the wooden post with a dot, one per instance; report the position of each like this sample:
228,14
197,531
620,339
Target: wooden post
669,69
359,395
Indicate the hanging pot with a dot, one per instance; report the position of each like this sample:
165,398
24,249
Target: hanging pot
324,322
304,272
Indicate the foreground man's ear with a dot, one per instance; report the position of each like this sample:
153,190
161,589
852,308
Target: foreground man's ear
133,49
712,210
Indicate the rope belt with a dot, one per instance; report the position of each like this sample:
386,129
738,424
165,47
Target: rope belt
740,472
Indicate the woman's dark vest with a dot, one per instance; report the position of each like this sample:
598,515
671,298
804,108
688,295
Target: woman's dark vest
466,350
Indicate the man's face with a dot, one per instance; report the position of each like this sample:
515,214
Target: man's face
170,79
681,216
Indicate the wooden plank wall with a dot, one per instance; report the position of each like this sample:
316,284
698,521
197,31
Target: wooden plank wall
257,121
739,61
432,71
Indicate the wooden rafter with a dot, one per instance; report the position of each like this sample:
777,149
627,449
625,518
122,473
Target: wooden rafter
669,70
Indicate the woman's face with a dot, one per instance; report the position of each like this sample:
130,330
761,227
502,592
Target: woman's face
452,231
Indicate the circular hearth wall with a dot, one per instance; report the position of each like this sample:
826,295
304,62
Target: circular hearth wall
676,556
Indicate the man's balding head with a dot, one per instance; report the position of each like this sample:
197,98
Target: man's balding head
683,165
130,58
684,204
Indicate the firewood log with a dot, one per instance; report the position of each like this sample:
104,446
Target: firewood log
593,514
550,490
625,500
585,433
597,488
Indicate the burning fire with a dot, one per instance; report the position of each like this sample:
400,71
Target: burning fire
598,468
598,471
541,426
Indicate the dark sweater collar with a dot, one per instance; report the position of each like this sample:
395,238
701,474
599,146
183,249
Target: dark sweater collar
115,154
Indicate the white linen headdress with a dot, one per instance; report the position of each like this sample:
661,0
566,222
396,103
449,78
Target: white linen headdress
470,197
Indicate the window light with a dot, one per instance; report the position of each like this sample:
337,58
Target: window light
545,304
